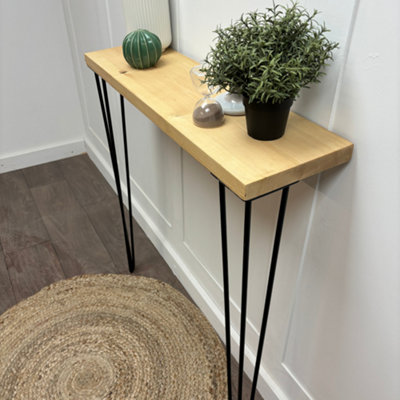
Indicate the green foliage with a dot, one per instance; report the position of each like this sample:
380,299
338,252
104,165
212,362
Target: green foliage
269,56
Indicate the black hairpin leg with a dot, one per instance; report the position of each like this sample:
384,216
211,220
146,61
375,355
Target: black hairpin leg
274,259
222,204
243,308
105,109
128,185
245,270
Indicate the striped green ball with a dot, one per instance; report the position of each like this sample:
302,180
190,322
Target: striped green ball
141,49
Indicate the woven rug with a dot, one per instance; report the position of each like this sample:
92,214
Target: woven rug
109,337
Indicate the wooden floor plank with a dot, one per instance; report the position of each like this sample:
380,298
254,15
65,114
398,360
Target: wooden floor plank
86,182
33,268
20,222
106,219
76,242
7,297
43,174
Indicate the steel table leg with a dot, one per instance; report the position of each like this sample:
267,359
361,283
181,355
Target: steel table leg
222,203
105,109
245,270
274,259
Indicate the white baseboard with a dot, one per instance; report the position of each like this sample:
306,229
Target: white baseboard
36,156
170,252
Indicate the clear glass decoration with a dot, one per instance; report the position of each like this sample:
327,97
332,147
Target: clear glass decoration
231,103
208,112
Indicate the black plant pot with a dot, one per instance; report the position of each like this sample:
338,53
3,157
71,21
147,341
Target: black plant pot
266,121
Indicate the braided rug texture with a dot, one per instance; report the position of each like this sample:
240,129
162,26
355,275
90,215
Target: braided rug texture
109,337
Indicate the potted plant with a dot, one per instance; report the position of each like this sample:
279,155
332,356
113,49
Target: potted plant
268,57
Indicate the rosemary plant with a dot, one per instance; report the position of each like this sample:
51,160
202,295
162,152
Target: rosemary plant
269,56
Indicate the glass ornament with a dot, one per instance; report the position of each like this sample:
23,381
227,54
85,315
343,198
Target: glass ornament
231,103
208,112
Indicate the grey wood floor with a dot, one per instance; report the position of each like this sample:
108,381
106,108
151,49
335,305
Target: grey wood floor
61,219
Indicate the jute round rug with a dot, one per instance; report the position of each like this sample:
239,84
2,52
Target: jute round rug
109,337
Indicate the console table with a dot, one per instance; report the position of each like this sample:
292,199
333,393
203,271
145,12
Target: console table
249,168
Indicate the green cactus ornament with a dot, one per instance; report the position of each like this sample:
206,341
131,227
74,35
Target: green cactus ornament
141,49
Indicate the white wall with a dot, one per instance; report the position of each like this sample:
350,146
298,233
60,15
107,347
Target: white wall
334,328
40,112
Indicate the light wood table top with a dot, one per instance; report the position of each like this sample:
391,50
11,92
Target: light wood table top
250,168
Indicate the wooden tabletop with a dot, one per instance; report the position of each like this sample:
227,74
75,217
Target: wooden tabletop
249,167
